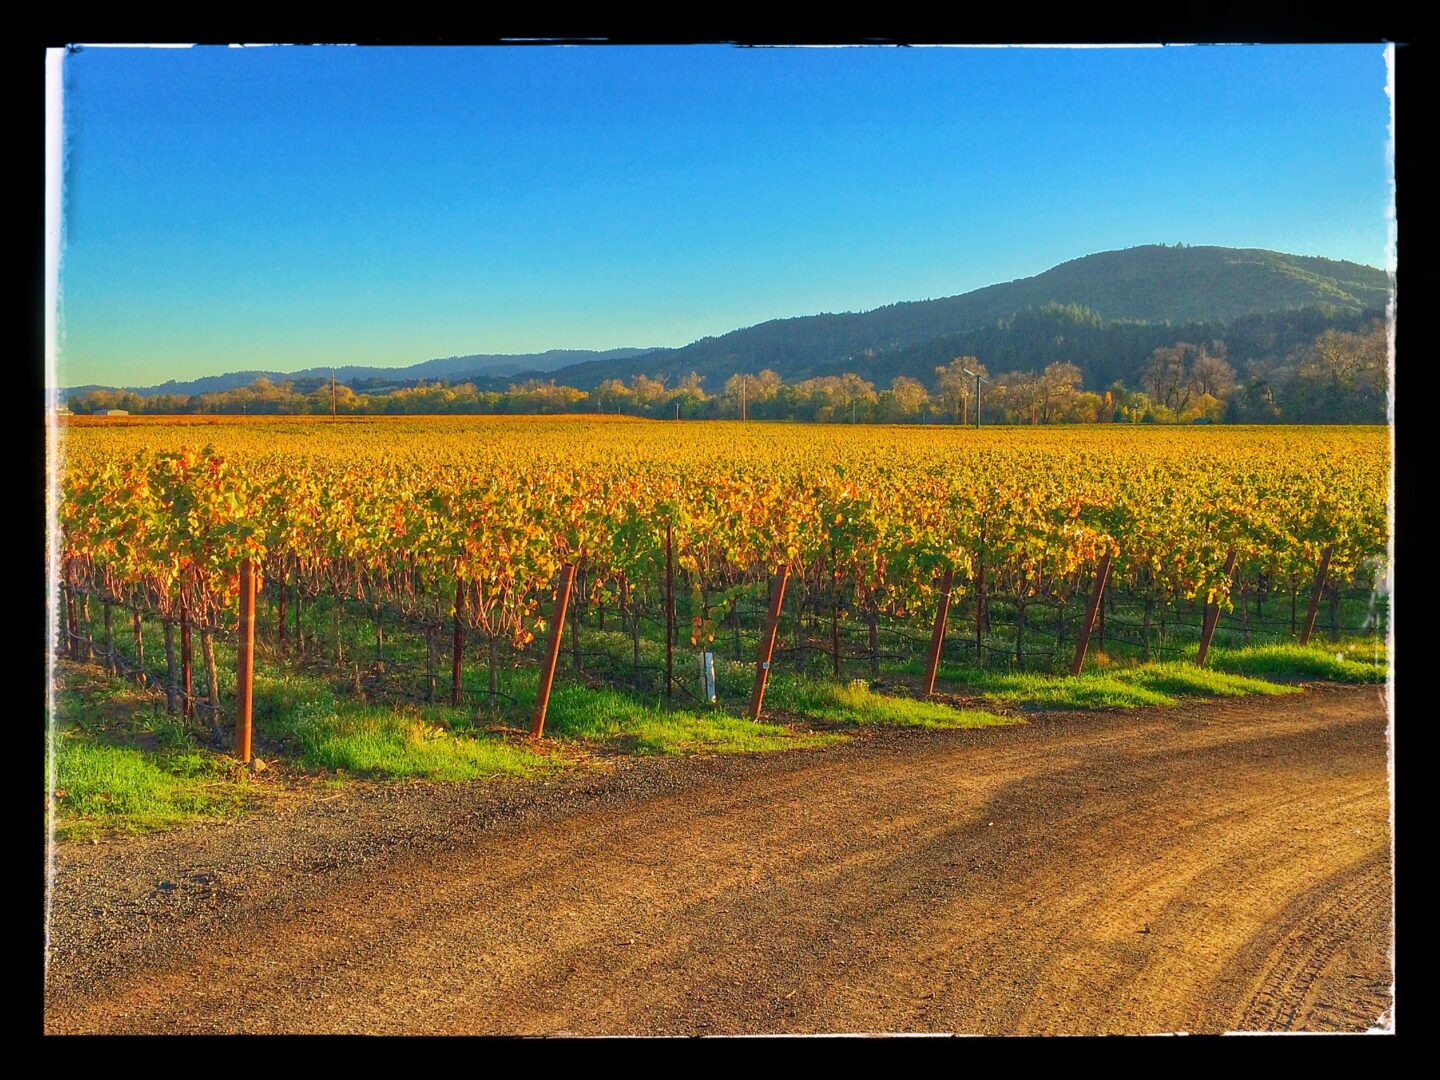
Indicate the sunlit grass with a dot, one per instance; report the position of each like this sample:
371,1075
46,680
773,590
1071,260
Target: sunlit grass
103,787
433,742
1336,663
1131,687
1187,680
856,703
636,726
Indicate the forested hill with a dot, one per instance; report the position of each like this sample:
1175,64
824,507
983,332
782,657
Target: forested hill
1157,285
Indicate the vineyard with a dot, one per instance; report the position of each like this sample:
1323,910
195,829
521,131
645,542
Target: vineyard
429,559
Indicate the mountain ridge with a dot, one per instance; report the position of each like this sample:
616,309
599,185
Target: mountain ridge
1153,285
498,364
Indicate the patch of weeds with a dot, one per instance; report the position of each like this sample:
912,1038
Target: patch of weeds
169,732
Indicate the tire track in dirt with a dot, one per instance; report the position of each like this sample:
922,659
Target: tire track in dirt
1297,952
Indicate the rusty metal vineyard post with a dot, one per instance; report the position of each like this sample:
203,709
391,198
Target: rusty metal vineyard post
937,636
1314,607
1097,598
552,650
767,640
245,663
1212,615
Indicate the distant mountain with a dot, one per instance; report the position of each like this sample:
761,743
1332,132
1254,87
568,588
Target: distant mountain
1105,312
1156,285
450,368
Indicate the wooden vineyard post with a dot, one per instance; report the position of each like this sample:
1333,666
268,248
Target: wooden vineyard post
630,611
669,610
767,641
139,632
937,636
1212,616
171,686
1097,598
212,682
187,697
109,624
245,662
552,650
375,618
280,620
458,650
980,606
1314,607
872,627
429,663
67,620
834,617
86,642
62,640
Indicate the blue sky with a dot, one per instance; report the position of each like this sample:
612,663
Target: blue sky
282,208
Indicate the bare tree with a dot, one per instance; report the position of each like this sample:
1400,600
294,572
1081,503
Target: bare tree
955,384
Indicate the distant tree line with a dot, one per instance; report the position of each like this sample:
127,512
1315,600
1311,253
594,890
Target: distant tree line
1338,377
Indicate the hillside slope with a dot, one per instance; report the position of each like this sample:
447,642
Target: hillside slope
1153,284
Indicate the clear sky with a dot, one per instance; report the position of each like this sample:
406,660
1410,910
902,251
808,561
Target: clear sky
282,208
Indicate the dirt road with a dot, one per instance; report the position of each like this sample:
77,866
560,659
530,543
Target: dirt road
1215,866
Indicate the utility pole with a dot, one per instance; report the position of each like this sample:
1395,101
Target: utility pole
332,393
743,381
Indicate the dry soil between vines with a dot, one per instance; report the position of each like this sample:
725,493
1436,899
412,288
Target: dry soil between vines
1216,866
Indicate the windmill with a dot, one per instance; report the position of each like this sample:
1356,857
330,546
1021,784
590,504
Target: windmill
978,380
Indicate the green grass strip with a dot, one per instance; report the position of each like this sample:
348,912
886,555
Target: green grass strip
127,789
856,703
1187,680
638,727
1337,663
1117,688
